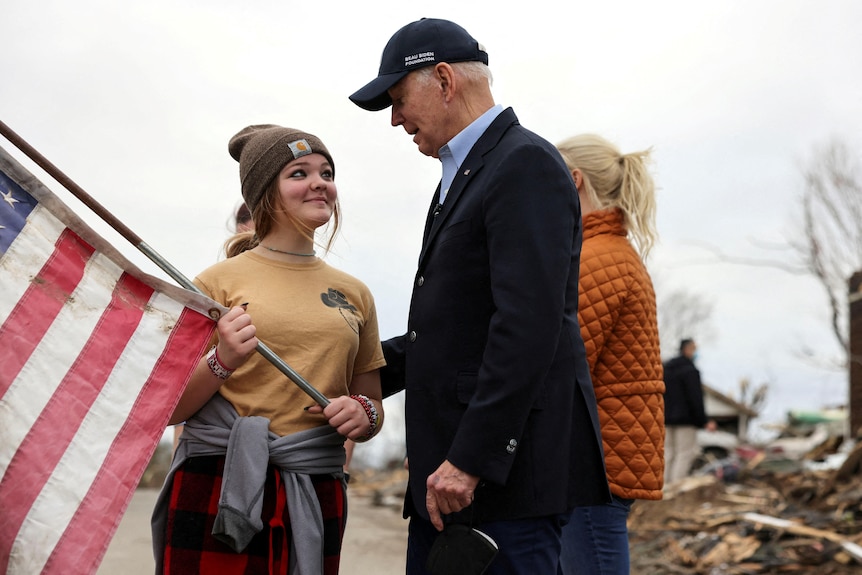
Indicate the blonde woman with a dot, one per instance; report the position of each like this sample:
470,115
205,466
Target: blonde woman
617,315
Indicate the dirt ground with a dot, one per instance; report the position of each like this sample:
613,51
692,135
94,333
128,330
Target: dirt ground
375,540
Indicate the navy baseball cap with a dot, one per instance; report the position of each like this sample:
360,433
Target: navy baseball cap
422,43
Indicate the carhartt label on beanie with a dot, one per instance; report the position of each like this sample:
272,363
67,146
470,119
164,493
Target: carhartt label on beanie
300,148
263,150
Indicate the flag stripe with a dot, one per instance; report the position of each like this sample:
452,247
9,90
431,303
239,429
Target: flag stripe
53,431
38,380
86,529
93,358
25,257
50,288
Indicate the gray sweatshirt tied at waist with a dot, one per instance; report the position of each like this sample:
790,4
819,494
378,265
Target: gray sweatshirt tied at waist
249,446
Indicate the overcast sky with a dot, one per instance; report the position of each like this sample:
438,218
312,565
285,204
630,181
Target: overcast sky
136,102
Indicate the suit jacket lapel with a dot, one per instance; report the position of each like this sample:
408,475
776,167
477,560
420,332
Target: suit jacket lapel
429,219
468,170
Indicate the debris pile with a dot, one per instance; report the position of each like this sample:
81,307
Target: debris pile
767,514
793,506
385,487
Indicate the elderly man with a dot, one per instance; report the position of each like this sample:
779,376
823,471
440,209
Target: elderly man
502,428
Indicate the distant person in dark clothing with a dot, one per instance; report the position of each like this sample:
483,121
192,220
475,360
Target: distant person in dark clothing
684,412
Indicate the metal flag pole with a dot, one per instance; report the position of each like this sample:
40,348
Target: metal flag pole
148,251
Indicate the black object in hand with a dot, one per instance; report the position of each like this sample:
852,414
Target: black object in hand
461,550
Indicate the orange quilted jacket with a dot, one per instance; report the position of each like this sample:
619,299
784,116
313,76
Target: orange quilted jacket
617,313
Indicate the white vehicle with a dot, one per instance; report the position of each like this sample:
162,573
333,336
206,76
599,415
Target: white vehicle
716,444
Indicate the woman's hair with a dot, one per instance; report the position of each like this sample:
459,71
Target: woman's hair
242,218
615,180
263,219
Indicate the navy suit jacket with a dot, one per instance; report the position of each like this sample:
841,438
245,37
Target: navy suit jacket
493,362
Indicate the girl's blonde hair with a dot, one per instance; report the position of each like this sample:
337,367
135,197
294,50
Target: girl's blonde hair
615,180
263,218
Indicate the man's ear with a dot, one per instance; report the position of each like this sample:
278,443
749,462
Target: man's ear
446,79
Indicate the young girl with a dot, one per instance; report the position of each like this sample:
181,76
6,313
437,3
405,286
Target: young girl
257,484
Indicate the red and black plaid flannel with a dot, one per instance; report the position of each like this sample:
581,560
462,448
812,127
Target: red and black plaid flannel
191,548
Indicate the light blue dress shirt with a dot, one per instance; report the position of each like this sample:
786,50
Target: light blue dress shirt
452,155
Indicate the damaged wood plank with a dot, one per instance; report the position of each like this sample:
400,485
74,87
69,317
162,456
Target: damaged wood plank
793,527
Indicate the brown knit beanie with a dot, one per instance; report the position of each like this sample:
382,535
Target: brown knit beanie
263,150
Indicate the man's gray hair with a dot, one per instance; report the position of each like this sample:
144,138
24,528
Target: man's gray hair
472,71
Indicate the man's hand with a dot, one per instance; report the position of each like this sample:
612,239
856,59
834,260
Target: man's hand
448,490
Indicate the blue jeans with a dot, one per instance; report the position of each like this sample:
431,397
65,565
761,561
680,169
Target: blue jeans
526,546
596,540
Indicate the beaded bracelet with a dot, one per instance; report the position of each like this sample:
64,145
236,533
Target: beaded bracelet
216,366
371,412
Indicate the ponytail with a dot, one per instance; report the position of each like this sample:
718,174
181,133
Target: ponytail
239,243
614,180
637,201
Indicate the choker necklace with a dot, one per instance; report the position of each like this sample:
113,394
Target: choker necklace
311,255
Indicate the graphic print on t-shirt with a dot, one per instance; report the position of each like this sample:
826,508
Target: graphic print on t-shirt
336,299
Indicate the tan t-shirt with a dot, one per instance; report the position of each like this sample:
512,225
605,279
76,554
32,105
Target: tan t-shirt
320,320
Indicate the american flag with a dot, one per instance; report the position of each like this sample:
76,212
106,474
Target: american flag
93,356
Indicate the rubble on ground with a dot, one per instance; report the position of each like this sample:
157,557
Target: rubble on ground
759,513
385,488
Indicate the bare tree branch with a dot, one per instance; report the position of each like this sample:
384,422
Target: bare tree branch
682,314
721,257
826,242
830,245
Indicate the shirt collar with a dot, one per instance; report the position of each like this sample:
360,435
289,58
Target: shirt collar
463,142
453,154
